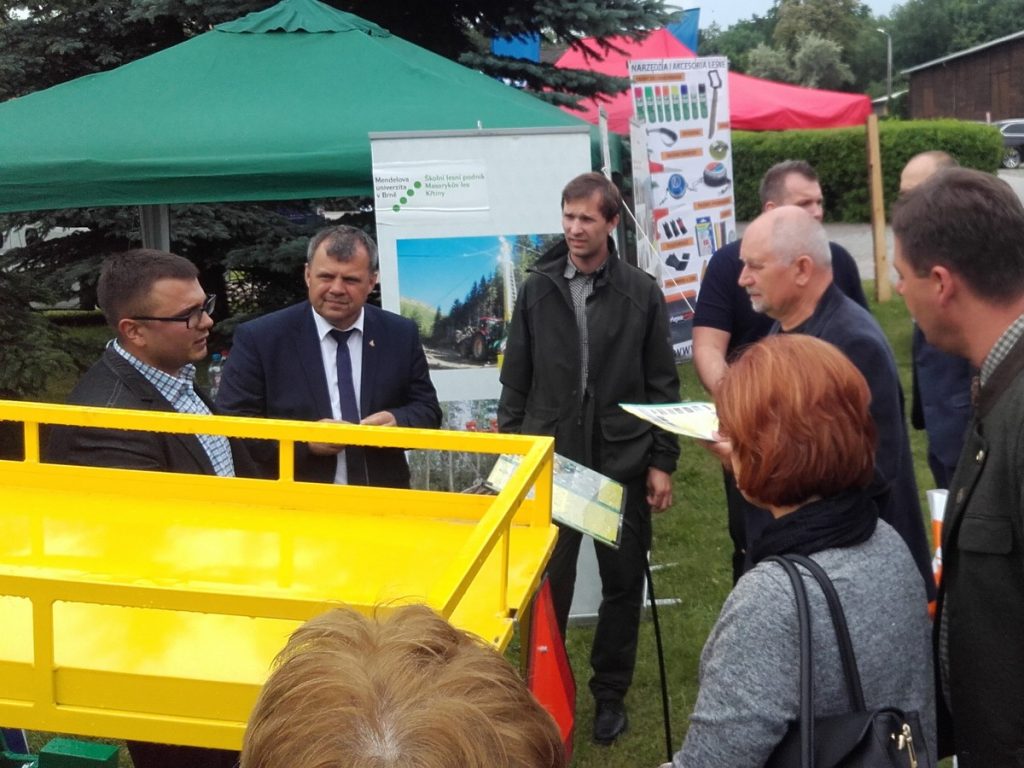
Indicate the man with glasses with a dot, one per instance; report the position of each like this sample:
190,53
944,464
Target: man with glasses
161,317
154,303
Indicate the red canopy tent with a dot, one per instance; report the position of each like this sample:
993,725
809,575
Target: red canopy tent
754,104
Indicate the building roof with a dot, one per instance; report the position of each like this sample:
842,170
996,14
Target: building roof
883,99
965,52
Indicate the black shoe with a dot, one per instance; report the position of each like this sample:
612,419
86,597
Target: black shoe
610,722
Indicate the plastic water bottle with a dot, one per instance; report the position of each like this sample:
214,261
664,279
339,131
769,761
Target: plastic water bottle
213,373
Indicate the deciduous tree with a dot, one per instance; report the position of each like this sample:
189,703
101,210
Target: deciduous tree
737,41
837,20
770,63
924,30
818,63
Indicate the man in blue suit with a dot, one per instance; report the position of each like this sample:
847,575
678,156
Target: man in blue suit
333,358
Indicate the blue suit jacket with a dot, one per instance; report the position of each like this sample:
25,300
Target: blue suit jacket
942,404
276,370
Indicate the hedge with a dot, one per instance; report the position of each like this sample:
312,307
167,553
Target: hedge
840,157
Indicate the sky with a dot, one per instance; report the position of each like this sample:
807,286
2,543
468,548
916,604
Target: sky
439,270
728,12
436,271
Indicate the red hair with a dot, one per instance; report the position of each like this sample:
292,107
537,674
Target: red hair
797,413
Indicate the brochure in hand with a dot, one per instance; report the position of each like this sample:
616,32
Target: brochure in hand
689,419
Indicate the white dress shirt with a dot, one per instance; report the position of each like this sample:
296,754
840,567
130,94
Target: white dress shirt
329,353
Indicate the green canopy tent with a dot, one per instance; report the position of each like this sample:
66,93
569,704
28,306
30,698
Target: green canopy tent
275,105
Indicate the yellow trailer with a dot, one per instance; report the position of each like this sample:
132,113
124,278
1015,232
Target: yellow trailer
149,605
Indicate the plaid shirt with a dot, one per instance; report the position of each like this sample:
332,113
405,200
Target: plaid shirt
1001,349
581,286
181,394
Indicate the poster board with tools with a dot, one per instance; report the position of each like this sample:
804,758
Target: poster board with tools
681,124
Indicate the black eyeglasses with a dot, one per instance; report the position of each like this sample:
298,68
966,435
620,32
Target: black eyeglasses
190,318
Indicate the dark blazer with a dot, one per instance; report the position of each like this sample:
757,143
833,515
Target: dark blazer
276,370
980,626
840,321
941,404
113,382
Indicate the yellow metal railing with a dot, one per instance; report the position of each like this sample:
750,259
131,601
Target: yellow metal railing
149,605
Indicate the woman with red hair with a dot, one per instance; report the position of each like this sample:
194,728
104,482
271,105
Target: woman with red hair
795,411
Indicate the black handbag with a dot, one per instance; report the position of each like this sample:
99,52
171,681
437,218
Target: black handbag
882,738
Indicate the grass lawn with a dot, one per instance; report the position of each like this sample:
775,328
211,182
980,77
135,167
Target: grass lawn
692,541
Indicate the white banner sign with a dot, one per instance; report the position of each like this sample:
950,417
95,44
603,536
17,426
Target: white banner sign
461,216
681,125
414,193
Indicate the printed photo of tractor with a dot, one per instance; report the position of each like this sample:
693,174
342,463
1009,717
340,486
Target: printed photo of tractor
483,342
460,291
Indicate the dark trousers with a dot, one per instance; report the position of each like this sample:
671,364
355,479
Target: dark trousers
942,473
737,520
613,655
146,754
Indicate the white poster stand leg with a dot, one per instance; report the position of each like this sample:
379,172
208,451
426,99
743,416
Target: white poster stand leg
586,599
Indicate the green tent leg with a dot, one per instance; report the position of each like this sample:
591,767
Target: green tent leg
69,753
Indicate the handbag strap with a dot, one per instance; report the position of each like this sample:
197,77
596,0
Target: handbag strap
806,666
835,608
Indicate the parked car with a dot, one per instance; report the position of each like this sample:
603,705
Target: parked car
1013,140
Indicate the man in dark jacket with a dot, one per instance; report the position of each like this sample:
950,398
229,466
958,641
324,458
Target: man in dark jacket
960,258
333,358
786,274
154,303
941,382
589,332
724,322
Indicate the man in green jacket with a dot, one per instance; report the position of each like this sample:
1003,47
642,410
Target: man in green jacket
589,332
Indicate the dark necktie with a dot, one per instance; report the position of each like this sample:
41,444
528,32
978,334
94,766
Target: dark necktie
355,458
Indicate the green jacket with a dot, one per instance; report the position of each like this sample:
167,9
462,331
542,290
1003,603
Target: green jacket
980,626
630,361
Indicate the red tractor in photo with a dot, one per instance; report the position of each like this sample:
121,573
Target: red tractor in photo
483,342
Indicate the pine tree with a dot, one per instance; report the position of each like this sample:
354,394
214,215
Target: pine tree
52,41
63,39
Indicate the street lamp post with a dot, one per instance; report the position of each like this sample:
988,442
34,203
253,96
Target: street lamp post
888,71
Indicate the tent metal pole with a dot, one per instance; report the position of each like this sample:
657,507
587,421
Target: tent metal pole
156,227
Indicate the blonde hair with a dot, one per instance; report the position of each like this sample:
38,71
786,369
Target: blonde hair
405,689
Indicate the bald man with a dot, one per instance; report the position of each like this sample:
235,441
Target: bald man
787,274
942,382
724,322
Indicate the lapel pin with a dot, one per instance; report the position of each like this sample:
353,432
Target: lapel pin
371,342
